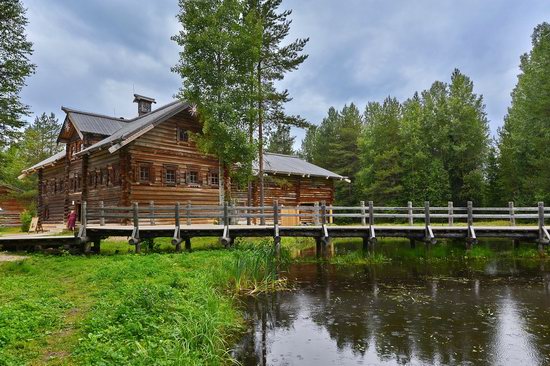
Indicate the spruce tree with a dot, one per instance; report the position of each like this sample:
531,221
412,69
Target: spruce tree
15,67
381,176
280,141
523,145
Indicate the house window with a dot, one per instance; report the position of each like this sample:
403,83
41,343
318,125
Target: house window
193,177
183,134
214,179
144,173
170,175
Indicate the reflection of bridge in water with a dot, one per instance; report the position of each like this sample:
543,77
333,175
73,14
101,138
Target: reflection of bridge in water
321,222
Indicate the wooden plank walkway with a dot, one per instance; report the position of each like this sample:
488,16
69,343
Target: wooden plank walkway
180,222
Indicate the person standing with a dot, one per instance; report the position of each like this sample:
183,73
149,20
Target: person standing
71,220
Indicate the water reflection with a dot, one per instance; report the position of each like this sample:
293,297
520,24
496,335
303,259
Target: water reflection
403,314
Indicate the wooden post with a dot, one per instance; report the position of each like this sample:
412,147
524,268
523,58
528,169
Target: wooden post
316,213
427,223
371,213
412,242
152,212
512,213
97,245
469,240
232,217
136,227
188,243
410,213
83,220
177,240
450,206
188,212
276,236
541,226
363,214
262,212
102,213
225,214
427,213
323,213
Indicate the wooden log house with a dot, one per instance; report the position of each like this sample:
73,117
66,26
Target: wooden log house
152,158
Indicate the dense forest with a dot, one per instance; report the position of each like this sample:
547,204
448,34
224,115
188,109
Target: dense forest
437,146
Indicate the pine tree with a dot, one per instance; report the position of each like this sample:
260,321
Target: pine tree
273,62
216,46
15,67
523,145
39,139
280,141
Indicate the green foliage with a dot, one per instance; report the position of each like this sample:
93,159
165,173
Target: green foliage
255,267
280,141
217,47
523,145
334,146
26,218
169,309
15,67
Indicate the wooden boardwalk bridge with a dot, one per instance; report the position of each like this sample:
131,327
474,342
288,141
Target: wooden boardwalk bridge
181,223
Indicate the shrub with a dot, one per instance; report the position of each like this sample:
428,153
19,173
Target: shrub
26,218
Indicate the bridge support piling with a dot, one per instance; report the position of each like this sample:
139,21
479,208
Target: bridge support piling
97,245
413,243
188,244
516,243
366,244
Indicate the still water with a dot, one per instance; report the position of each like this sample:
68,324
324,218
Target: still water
491,313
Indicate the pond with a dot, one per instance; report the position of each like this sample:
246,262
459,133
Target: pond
495,312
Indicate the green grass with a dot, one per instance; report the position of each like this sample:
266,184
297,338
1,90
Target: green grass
9,230
178,309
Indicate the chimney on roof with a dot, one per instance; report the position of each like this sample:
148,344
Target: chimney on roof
144,104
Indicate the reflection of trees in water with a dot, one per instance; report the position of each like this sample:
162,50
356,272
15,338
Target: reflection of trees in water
406,318
532,305
407,314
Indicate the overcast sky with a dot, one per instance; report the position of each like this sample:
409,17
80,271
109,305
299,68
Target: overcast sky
93,55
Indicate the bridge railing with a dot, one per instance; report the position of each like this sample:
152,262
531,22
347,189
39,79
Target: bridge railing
318,214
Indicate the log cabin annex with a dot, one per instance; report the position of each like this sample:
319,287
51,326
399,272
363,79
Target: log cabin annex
152,158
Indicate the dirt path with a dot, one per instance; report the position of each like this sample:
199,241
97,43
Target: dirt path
11,258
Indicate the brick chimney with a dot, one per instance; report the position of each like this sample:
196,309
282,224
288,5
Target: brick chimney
144,104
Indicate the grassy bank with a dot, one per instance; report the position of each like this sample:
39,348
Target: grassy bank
127,309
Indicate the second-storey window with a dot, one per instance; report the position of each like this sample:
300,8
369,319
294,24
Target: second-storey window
183,134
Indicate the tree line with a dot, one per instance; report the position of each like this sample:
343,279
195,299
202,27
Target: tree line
436,145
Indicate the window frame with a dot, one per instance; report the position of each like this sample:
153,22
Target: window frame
179,131
211,175
149,167
165,171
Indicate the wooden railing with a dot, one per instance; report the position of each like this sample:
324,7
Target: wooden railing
364,214
271,217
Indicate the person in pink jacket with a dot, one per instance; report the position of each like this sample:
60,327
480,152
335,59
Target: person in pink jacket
71,220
